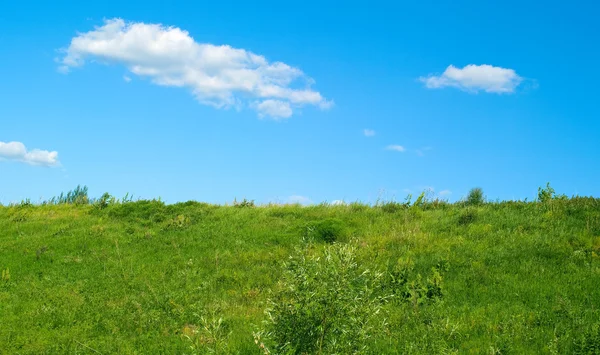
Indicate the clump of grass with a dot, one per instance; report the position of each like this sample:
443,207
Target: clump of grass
467,216
244,203
328,230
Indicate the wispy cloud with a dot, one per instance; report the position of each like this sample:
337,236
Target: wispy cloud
369,132
474,78
126,78
18,152
396,148
217,75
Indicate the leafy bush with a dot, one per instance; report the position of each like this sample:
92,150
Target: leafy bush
475,197
401,283
104,201
326,304
548,194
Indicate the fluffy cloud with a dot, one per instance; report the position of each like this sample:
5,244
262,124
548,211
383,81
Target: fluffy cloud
395,147
18,152
337,203
475,78
217,75
369,132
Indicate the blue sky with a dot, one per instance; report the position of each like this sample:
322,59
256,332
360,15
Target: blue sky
270,101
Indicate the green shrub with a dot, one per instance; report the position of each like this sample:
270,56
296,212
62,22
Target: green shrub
328,230
326,304
467,216
475,197
104,201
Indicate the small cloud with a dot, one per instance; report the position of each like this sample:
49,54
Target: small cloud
369,132
395,147
337,203
444,193
303,200
126,78
18,152
474,78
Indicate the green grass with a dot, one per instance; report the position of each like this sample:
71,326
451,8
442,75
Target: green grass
145,277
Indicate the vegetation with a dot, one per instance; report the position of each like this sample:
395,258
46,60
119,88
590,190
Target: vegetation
108,275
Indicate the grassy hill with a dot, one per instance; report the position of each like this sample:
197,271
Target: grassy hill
426,277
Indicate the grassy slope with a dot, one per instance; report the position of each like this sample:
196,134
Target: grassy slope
135,277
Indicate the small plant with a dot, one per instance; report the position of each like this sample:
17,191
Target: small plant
407,288
6,275
545,194
211,337
105,200
244,203
475,197
179,222
420,200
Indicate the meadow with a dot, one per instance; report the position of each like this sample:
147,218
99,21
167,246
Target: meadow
422,276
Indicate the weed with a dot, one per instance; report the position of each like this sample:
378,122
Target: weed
244,203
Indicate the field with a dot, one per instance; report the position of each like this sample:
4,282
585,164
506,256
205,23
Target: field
422,277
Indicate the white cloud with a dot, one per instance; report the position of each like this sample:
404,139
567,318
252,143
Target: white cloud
217,75
369,132
126,78
475,78
303,200
395,147
18,152
337,203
